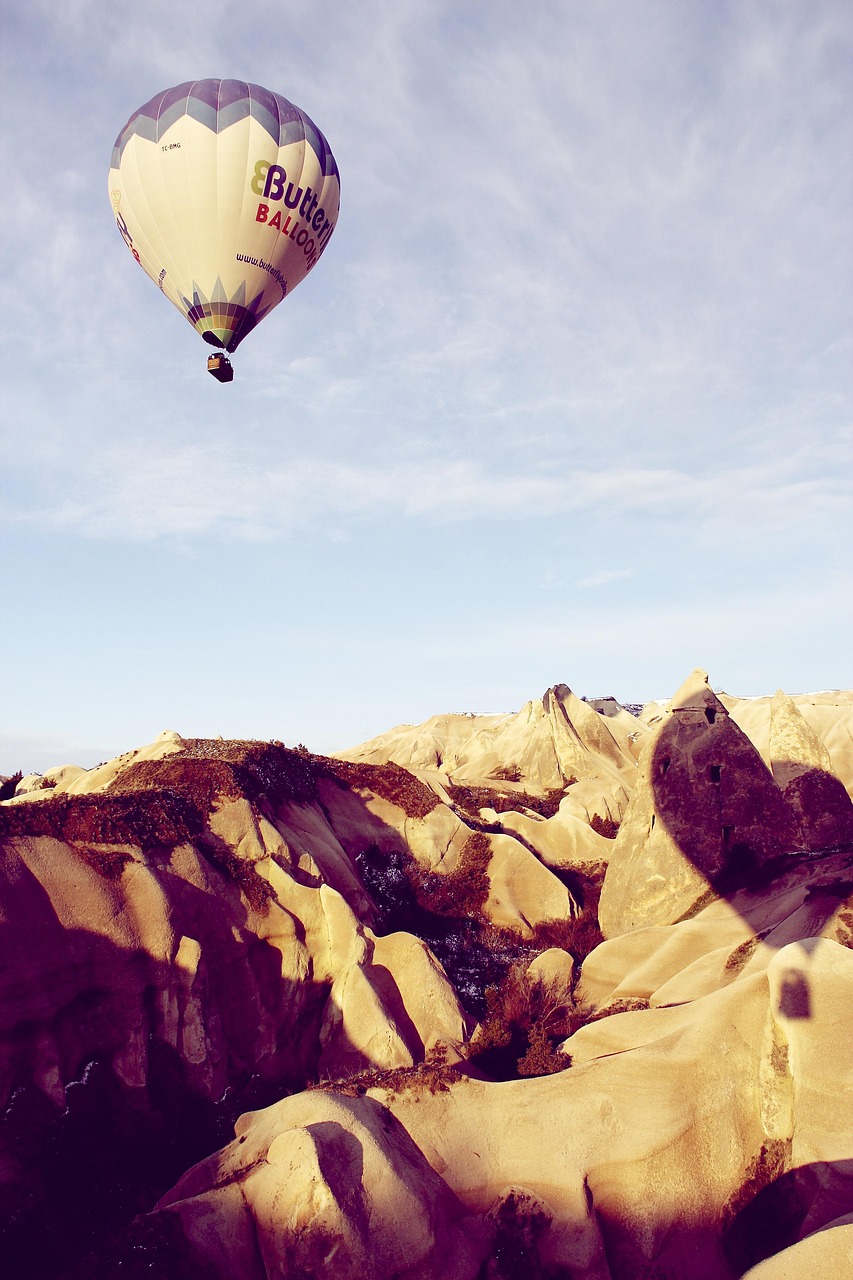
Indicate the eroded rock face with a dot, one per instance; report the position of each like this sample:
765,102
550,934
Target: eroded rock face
653,1154
200,928
802,768
705,812
551,740
191,929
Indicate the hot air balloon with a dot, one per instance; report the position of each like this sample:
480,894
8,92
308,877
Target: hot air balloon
226,194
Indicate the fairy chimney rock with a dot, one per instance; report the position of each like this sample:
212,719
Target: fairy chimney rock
705,813
802,768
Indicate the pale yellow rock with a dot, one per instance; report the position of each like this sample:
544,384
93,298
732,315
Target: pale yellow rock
341,1190
309,835
407,965
359,819
234,821
628,1162
555,968
648,1133
726,940
99,778
563,840
62,775
704,806
827,1254
551,739
390,1001
810,987
522,892
802,768
794,746
596,798
33,786
828,714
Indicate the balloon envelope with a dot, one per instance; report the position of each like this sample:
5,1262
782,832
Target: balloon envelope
226,194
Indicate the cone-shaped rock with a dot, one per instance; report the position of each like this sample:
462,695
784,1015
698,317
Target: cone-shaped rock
550,742
705,811
803,770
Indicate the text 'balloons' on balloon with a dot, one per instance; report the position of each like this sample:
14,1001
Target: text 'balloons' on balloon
226,194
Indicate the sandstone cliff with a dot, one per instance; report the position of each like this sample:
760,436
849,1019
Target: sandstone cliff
386,970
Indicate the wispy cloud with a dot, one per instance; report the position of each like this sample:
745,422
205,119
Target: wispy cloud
140,493
585,314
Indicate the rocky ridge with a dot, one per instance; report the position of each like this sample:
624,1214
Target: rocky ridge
369,963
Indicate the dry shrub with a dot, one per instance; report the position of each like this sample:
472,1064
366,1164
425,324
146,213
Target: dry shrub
740,957
390,781
581,934
578,936
109,863
526,1018
520,1225
623,1004
844,928
542,1058
158,819
8,785
605,827
206,769
432,1076
472,799
461,892
507,773
257,891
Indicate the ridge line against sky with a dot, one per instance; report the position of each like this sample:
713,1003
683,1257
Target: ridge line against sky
567,398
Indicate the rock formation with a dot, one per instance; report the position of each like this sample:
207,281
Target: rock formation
705,811
802,768
385,970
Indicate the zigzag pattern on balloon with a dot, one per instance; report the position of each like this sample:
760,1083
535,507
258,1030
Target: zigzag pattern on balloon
219,104
224,321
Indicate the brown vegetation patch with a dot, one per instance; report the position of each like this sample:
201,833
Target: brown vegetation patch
763,1216
472,799
526,1018
507,773
257,891
109,863
161,819
844,928
461,892
623,1004
520,1225
740,957
390,781
206,769
433,1075
9,785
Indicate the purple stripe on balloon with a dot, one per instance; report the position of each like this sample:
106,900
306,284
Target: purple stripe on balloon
220,103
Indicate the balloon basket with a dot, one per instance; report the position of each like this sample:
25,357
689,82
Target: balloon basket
220,367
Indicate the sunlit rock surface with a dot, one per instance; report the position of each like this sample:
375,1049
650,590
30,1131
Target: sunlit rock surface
204,933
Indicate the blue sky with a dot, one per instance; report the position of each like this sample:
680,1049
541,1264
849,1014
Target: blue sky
566,399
